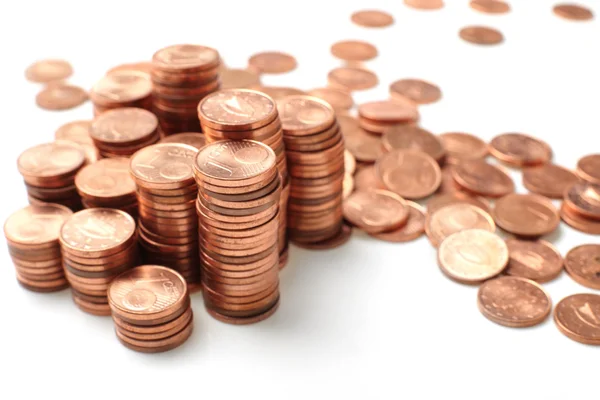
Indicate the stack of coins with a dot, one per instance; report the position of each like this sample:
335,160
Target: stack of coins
49,171
377,116
581,209
123,131
194,139
168,224
151,309
238,204
97,245
126,88
315,153
32,237
235,114
181,76
107,183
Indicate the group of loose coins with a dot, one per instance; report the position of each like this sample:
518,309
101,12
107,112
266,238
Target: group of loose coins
151,308
239,189
97,245
119,89
182,75
166,193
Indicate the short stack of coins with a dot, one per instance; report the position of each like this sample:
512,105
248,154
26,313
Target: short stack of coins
118,89
235,114
238,204
123,131
315,153
108,184
97,245
32,238
151,309
49,172
182,75
168,224
581,208
377,116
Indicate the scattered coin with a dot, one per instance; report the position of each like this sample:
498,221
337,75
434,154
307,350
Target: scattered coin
354,50
410,137
272,62
376,211
372,18
363,146
577,221
419,91
442,200
455,218
413,229
61,96
526,215
351,78
549,180
578,317
339,99
125,88
582,263
76,131
194,139
573,12
142,66
537,260
377,116
411,174
588,168
366,179
483,179
238,78
45,71
520,150
463,147
490,6
425,4
481,35
584,199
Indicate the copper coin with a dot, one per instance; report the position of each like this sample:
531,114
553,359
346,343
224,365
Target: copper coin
76,131
413,229
61,97
185,57
520,150
389,111
194,139
351,78
411,137
121,87
549,180
354,50
483,179
472,255
583,265
277,93
341,238
411,174
339,99
490,6
588,168
462,147
304,115
244,320
455,218
417,90
107,178
142,66
367,179
154,332
528,215
372,18
45,71
514,302
157,346
238,78
584,199
425,4
573,12
362,145
164,166
124,125
578,317
481,35
442,200
575,220
376,211
536,260
449,185
272,62
35,226
43,162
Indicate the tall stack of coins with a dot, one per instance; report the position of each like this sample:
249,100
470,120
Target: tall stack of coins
181,76
238,204
168,224
107,183
315,153
97,245
126,88
235,114
49,171
123,131
151,309
32,237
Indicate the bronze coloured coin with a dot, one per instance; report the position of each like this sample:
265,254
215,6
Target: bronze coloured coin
362,145
588,168
417,90
463,147
455,218
472,256
124,126
164,166
520,150
159,345
277,92
389,112
576,221
272,62
367,179
372,18
536,260
573,12
481,35
376,211
304,115
413,229
548,180
108,178
61,96
483,179
76,131
410,137
185,57
526,215
584,199
121,88
582,263
42,164
411,174
441,200
339,99
336,241
141,66
351,78
490,6
425,4
45,71
194,139
578,317
514,302
354,50
238,79
36,226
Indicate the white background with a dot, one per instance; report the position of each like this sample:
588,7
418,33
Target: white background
368,320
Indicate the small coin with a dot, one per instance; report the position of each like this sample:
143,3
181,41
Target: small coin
573,12
578,317
36,225
483,179
462,147
536,260
419,91
351,78
413,138
372,18
107,178
481,35
514,302
444,199
472,255
76,131
576,221
164,166
123,126
520,150
304,115
45,71
425,4
414,228
582,263
526,215
366,179
490,6
272,62
185,57
410,174
194,139
238,78
354,50
584,199
376,211
549,180
455,218
588,168
339,99
61,97
389,111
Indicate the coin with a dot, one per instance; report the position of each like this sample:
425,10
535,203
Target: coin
354,50
76,131
582,263
194,139
411,174
376,211
455,218
425,4
514,302
483,179
351,78
588,168
388,112
417,90
441,200
413,229
121,89
45,71
61,96
413,138
367,179
584,199
462,147
578,317
549,180
526,215
536,260
362,145
520,150
164,166
142,66
106,180
238,78
372,18
339,99
340,239
36,226
277,93
490,6
472,256
481,35
272,62
575,220
573,12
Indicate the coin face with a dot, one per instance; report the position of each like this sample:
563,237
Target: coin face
185,56
61,96
389,111
108,177
351,78
123,125
411,174
573,12
376,211
455,218
272,62
419,91
304,115
363,146
519,149
444,199
513,301
339,99
536,260
411,137
372,18
36,225
413,229
490,6
354,50
549,180
584,198
462,147
366,179
194,139
51,159
122,86
483,179
481,35
583,265
472,255
45,71
76,131
528,215
162,165
237,108
588,168
578,317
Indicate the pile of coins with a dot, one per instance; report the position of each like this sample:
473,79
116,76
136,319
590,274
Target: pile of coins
182,75
123,131
125,88
49,171
32,238
151,309
107,183
168,224
97,245
238,206
235,114
315,152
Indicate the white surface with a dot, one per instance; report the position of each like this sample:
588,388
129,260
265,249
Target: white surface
368,320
